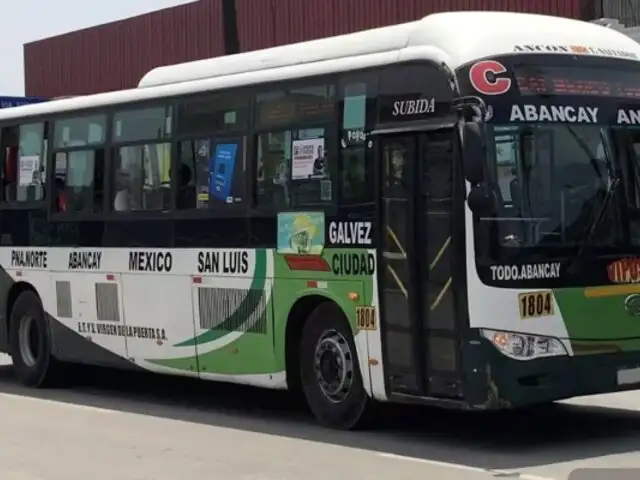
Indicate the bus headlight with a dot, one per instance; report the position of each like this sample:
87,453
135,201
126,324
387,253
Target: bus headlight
522,346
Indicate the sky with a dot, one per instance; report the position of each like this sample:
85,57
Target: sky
27,20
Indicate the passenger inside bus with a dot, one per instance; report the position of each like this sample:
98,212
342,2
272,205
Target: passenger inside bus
186,197
125,199
122,199
9,172
61,195
142,178
80,180
23,151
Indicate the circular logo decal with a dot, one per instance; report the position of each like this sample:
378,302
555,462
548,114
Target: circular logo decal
632,304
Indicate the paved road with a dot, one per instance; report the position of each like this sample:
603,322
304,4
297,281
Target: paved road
130,427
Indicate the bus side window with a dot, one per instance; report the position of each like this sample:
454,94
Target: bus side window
211,163
358,109
295,151
9,163
142,159
23,169
79,164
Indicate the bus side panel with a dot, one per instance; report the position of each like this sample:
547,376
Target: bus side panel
298,280
216,315
6,282
36,268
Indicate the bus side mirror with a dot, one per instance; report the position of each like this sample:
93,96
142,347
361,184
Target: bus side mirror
473,152
480,202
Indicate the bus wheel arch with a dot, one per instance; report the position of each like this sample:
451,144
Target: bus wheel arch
14,292
324,362
298,316
29,337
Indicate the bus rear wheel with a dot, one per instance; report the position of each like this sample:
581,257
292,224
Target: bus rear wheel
331,377
30,341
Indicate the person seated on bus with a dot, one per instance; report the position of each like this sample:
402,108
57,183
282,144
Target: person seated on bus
121,200
62,198
186,197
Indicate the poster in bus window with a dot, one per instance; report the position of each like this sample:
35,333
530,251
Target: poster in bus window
221,166
28,170
308,159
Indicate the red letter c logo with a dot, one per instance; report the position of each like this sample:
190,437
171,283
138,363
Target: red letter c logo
483,78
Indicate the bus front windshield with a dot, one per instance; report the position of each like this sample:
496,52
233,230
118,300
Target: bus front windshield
550,181
563,167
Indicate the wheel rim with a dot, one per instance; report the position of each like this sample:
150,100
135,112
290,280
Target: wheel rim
333,364
29,340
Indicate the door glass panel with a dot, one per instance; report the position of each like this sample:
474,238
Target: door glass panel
396,195
416,276
436,206
397,155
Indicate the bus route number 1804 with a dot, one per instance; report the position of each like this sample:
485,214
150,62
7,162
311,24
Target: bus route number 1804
366,318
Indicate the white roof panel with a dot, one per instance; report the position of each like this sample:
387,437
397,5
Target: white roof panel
450,38
462,36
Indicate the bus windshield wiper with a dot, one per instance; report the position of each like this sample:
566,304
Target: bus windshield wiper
612,187
585,148
604,206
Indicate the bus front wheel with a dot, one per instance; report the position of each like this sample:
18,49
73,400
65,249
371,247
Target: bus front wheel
30,341
331,378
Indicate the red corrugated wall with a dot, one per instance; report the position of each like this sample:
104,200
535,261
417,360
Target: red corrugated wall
266,23
116,55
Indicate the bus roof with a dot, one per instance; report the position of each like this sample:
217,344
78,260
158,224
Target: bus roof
461,36
452,38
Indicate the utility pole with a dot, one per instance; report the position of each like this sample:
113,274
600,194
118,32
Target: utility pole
230,27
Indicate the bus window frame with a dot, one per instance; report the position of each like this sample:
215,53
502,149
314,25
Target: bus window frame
247,208
233,210
41,204
66,217
371,78
331,125
246,93
168,104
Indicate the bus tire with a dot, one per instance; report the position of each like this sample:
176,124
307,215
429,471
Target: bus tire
331,377
30,341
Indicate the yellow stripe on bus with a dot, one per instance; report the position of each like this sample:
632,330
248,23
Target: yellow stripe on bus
611,290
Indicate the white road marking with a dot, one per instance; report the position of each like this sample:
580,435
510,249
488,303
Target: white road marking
526,476
468,468
435,463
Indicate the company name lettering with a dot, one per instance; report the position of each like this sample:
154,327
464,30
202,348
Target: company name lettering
539,271
628,117
574,49
542,48
29,258
85,260
130,331
231,262
150,261
553,113
350,233
353,264
404,108
624,271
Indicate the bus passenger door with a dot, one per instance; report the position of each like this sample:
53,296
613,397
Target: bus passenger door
416,275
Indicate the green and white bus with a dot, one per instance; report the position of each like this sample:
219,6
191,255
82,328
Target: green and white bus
441,212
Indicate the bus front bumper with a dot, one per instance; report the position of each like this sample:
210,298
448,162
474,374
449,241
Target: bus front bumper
497,381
